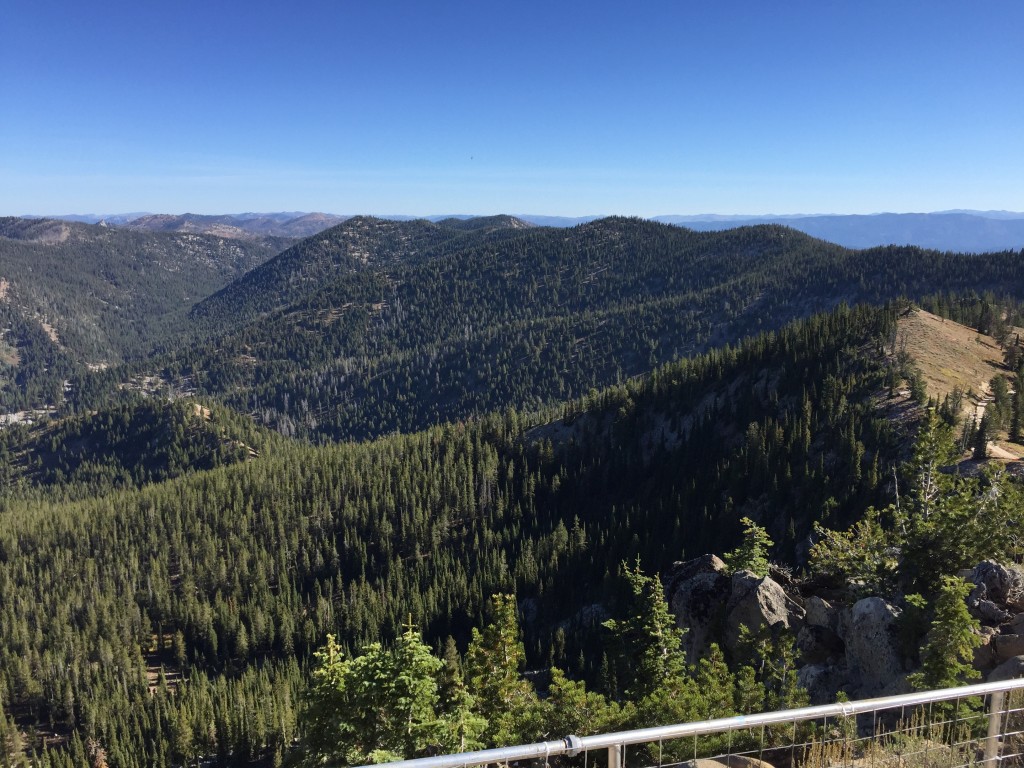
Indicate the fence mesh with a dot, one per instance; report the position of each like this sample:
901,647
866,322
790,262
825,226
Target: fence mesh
958,733
980,725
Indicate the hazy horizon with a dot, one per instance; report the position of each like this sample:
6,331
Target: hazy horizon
707,214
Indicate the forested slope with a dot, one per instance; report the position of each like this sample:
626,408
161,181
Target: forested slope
75,294
132,444
233,576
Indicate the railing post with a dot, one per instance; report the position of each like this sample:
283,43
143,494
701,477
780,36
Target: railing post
615,756
995,713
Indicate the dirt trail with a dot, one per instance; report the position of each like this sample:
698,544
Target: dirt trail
998,452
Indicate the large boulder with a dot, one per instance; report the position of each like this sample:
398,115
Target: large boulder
821,681
758,602
697,592
820,613
985,611
1010,669
985,654
1007,646
998,584
873,658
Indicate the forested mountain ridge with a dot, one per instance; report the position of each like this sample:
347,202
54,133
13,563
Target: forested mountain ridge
361,243
376,326
75,294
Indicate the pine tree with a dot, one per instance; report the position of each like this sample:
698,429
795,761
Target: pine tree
1017,407
647,640
752,553
948,651
571,708
381,705
493,662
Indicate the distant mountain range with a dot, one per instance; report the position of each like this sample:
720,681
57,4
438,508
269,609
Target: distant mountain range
968,232
959,230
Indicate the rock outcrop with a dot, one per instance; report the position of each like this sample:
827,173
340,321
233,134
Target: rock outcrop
854,648
997,602
712,605
874,662
758,602
999,584
820,645
697,592
1010,669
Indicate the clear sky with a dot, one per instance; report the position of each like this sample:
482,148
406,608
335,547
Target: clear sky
560,108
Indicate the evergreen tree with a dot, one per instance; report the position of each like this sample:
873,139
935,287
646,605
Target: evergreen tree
494,660
571,709
948,651
865,557
381,705
982,438
752,554
651,659
1017,407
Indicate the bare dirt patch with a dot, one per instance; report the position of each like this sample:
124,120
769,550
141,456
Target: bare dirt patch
951,355
50,331
9,355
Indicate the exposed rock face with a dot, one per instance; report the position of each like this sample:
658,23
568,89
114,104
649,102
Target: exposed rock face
873,659
697,591
985,610
820,645
1007,647
757,602
985,654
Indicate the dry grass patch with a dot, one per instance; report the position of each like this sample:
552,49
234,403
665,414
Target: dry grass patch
951,355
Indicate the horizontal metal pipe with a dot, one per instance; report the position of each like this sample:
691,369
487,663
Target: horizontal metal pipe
536,751
843,709
681,730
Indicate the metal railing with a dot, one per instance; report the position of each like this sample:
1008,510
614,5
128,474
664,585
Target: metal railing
972,726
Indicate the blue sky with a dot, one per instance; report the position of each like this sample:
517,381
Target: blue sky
559,108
